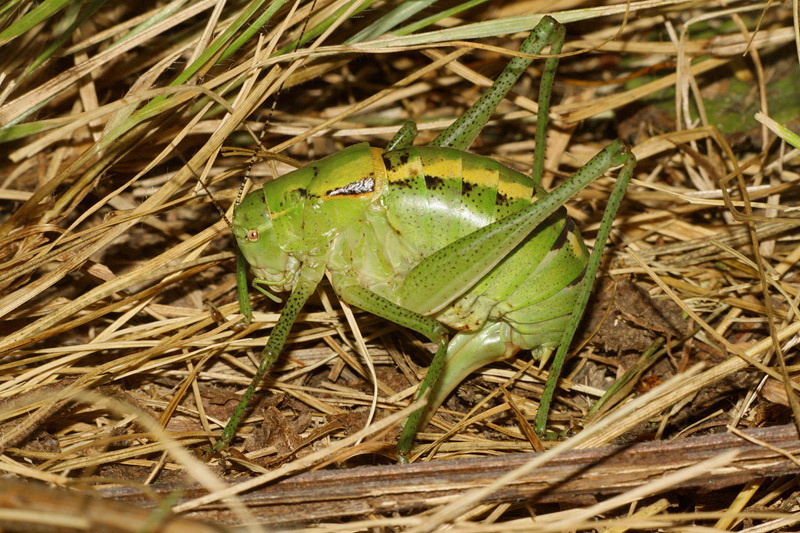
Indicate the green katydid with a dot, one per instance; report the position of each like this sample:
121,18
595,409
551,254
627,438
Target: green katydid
433,238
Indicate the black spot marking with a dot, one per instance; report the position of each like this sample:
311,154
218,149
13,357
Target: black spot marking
399,158
467,187
501,200
292,197
561,239
433,183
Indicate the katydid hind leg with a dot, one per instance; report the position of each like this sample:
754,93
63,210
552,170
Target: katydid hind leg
308,279
621,154
461,264
461,133
545,94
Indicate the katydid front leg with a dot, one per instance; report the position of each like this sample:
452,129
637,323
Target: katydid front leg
241,290
307,280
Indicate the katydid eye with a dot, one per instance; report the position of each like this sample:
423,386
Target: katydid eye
253,235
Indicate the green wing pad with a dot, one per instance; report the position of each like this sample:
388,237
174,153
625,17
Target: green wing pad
405,199
437,195
443,182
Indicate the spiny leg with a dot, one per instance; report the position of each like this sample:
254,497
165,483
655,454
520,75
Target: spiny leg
620,154
466,128
432,329
545,93
444,275
308,279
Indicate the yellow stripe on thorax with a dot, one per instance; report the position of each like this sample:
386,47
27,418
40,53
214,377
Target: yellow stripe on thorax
381,175
513,189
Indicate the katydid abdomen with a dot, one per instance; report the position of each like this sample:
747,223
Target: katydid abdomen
373,217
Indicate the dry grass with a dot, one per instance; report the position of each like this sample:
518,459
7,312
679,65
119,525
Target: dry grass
116,370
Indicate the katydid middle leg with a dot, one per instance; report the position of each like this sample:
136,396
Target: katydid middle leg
404,137
367,300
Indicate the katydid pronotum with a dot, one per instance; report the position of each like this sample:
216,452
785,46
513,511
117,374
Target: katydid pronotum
433,238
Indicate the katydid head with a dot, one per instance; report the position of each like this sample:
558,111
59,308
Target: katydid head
255,235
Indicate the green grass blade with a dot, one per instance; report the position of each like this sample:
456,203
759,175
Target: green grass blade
399,14
78,19
433,19
37,15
